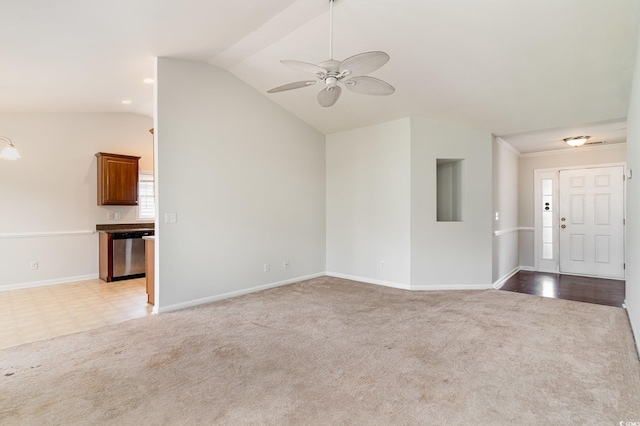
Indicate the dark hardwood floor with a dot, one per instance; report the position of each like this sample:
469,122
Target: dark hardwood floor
569,287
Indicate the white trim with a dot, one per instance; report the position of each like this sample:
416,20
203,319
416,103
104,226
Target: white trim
634,320
573,150
369,280
505,232
164,309
408,286
527,268
510,230
46,234
451,287
508,146
48,282
500,282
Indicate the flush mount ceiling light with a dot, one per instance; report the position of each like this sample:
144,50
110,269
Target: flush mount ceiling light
126,102
148,81
351,72
9,152
576,141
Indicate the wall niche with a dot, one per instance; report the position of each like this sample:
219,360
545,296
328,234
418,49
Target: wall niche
450,182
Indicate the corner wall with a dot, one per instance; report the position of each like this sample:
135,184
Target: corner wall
450,255
505,205
633,206
247,181
368,204
48,198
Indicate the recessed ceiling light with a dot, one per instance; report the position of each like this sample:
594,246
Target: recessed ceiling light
148,81
127,101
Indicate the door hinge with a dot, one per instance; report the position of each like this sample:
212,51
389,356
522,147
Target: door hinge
624,177
624,221
624,266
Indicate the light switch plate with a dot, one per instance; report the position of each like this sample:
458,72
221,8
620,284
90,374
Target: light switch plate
170,217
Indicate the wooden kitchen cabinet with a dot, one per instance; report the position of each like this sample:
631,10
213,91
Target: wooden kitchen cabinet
106,254
117,179
149,243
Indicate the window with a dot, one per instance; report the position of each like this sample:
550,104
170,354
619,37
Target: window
547,219
146,196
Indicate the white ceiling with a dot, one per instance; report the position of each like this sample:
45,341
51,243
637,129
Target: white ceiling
514,68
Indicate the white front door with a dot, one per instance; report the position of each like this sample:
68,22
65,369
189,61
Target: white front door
592,222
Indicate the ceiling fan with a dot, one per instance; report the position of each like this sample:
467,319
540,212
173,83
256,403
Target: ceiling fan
350,72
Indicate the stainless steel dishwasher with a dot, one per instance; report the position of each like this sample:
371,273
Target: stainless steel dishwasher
128,254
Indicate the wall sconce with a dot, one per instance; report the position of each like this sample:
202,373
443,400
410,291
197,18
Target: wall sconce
576,141
9,152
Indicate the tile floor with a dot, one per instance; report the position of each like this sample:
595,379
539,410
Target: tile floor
40,313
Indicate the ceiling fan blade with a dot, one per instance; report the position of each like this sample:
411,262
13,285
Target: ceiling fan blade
304,67
329,96
364,63
369,86
291,86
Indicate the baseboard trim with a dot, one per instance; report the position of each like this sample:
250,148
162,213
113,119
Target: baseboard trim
49,282
409,286
202,301
451,287
500,282
370,281
527,268
634,320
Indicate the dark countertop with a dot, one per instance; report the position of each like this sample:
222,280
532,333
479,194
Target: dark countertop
123,227
113,231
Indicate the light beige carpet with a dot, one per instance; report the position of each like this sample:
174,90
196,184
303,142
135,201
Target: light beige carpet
330,351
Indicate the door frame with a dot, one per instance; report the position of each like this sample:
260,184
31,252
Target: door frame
545,265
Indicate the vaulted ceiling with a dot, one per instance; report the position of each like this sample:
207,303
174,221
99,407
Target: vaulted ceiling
531,71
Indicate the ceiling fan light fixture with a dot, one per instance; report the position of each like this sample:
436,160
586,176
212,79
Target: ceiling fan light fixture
576,141
9,152
350,72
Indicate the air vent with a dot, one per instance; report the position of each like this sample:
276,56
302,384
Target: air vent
595,143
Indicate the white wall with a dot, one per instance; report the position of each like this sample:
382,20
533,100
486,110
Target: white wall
368,203
450,255
505,204
247,181
585,156
633,206
53,189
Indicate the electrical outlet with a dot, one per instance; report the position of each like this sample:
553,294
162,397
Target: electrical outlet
111,215
286,264
382,265
33,264
118,216
267,267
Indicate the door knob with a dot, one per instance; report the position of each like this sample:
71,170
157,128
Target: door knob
563,226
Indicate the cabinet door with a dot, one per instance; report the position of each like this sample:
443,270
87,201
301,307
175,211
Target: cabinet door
117,180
